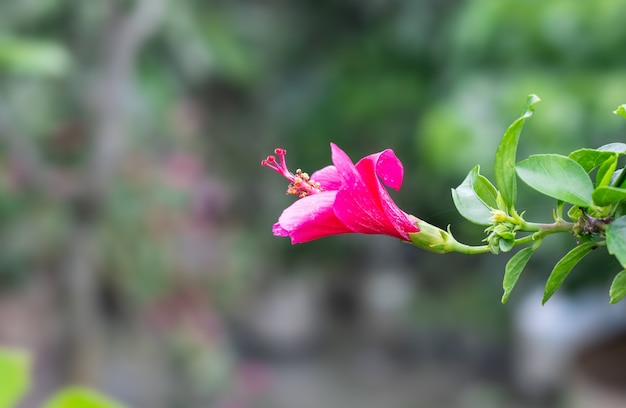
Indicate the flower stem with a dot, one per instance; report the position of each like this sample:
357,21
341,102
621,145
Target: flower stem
437,240
456,246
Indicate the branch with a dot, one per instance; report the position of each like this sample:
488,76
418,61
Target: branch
114,90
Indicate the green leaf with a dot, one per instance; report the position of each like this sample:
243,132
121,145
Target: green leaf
619,148
467,201
75,397
619,178
621,110
616,239
564,267
513,269
589,159
557,176
505,155
14,376
485,190
607,195
605,172
619,209
618,287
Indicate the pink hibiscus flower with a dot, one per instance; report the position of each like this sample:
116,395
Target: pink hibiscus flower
343,198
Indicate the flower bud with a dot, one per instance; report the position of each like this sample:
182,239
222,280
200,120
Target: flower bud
498,216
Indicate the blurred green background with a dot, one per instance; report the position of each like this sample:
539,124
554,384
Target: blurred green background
136,250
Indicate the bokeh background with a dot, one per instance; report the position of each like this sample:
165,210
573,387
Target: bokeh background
136,250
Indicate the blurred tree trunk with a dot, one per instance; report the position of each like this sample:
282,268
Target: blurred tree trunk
114,90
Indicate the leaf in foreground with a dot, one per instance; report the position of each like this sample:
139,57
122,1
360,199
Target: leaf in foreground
589,159
608,195
504,166
513,269
618,287
616,240
467,201
564,267
558,177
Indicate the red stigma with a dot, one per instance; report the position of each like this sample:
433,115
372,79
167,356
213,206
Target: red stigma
299,184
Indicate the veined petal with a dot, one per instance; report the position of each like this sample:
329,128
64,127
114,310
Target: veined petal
354,205
310,218
363,203
328,177
386,165
355,213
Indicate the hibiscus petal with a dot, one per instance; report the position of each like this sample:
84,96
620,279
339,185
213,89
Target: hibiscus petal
363,203
355,206
310,218
387,166
328,177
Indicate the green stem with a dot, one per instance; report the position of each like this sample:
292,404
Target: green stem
455,246
437,240
559,226
540,231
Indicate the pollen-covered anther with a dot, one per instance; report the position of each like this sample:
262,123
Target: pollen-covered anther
303,176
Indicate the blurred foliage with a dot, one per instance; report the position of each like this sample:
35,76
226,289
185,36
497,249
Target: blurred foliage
563,33
14,371
37,58
72,397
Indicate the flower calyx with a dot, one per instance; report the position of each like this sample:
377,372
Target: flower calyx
431,238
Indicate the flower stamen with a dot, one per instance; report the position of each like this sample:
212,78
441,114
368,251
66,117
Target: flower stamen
300,183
